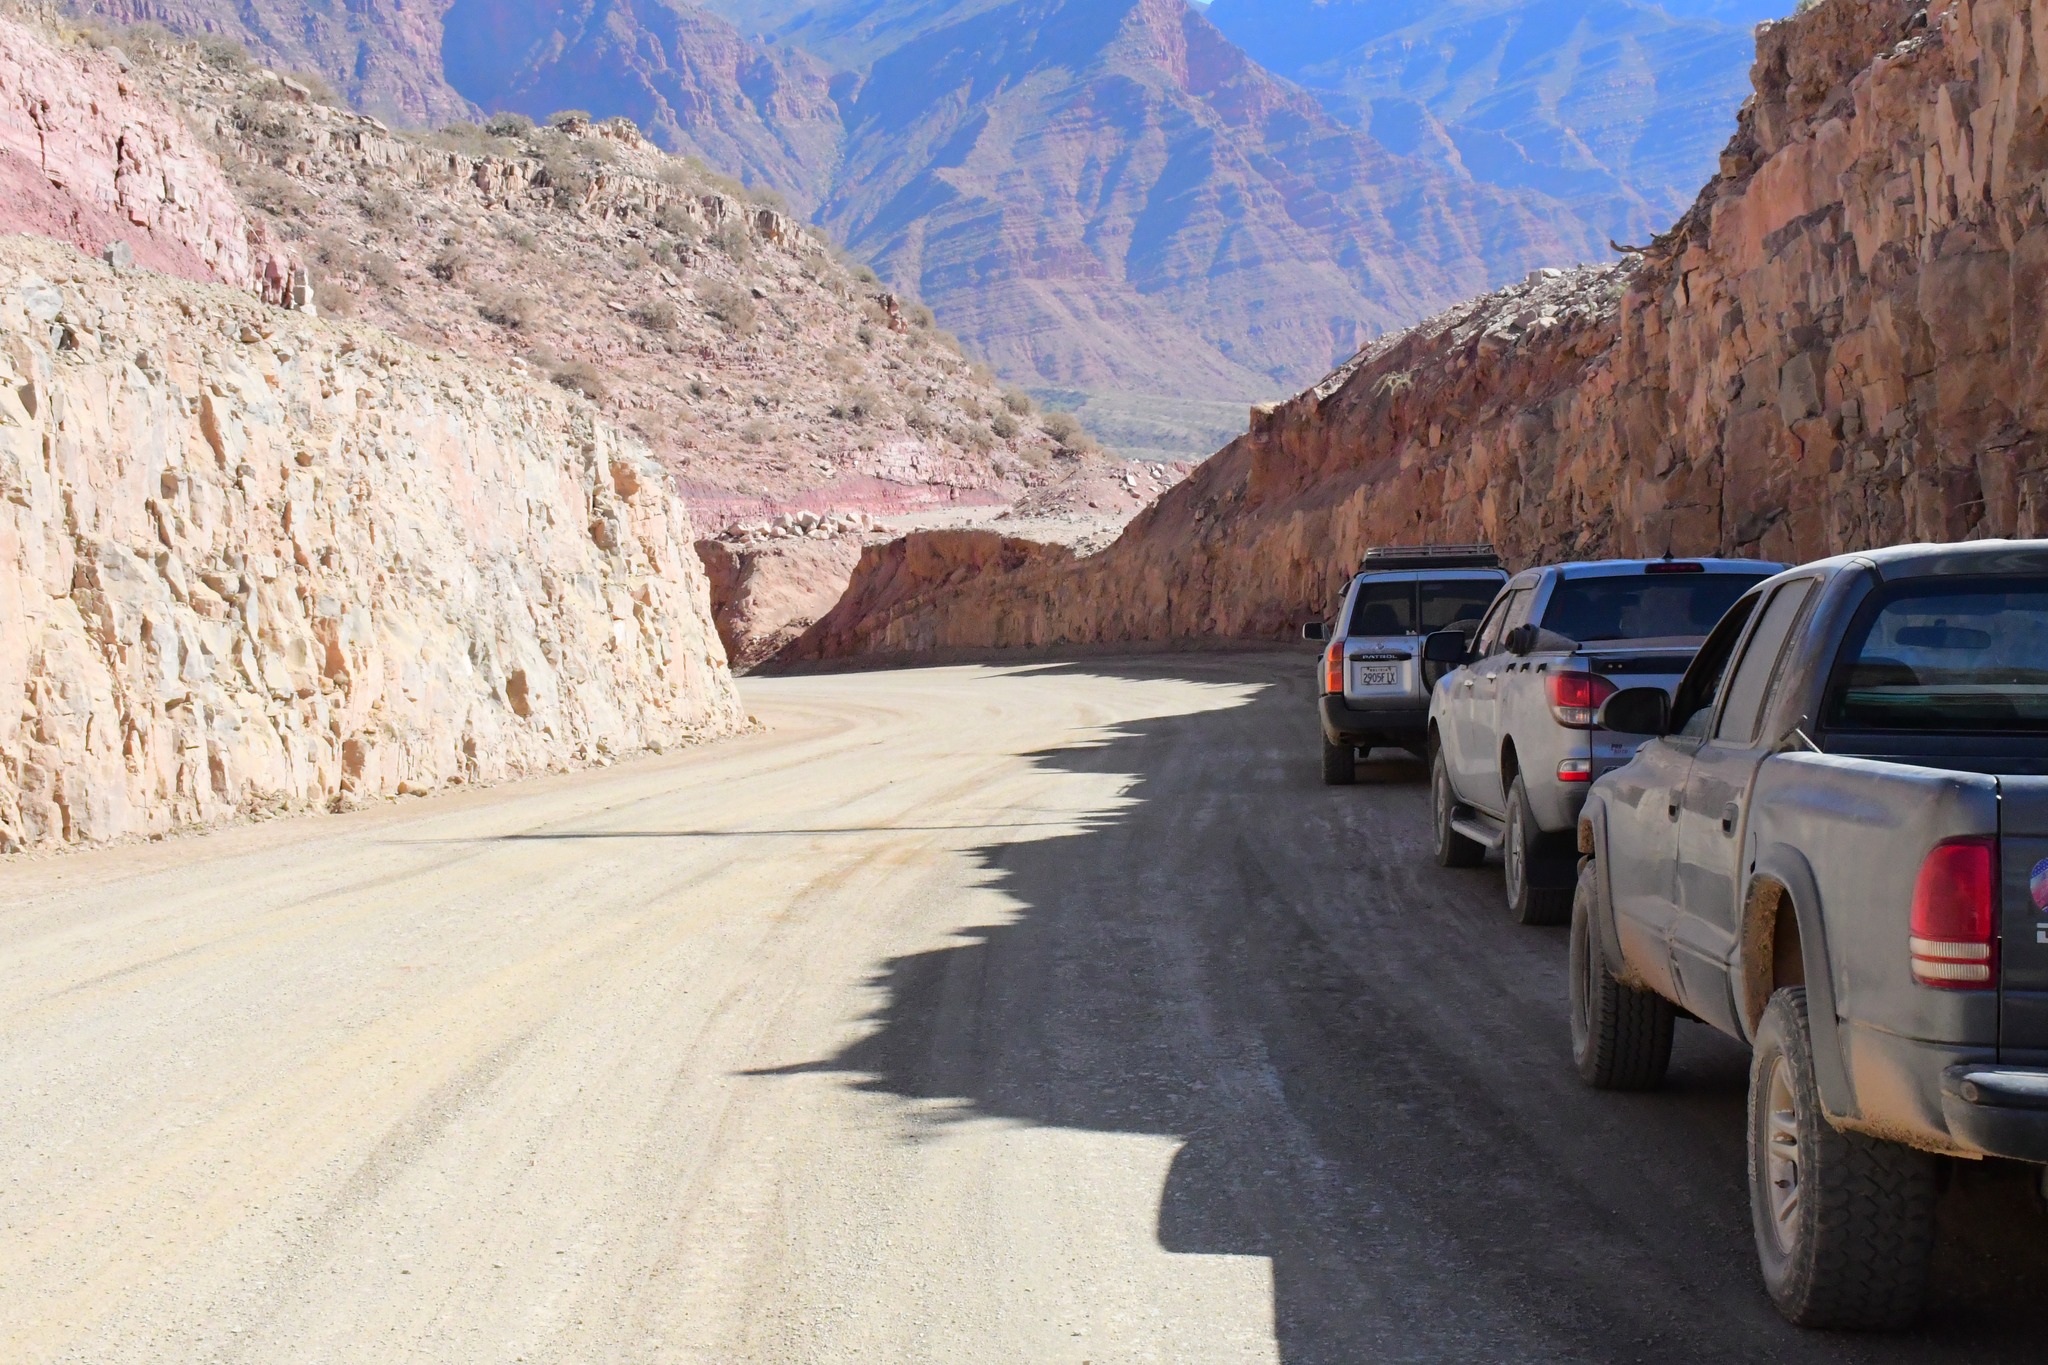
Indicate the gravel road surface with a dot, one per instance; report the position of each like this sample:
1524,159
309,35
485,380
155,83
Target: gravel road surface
1012,1015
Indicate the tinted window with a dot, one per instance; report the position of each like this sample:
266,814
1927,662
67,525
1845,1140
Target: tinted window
1383,609
1693,704
1502,619
1759,667
1643,607
1947,659
1445,604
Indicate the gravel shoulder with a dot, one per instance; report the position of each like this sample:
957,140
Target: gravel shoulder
1047,1013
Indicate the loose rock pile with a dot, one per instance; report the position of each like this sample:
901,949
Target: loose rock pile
798,525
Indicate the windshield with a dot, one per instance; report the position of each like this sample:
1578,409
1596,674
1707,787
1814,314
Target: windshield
1391,607
1648,607
1948,660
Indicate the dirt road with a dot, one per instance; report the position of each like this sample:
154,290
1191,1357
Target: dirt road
1050,1014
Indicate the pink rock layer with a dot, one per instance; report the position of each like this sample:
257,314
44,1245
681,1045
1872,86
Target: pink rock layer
87,159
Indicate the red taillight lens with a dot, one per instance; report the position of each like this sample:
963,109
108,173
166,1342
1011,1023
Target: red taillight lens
1955,916
1574,697
1333,668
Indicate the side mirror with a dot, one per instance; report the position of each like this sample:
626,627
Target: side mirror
1522,640
1636,711
1315,630
1446,647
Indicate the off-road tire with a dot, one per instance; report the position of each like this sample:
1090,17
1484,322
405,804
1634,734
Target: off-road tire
1539,884
1340,764
1861,1219
1621,1035
1452,848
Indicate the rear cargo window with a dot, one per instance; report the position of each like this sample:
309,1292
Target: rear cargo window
1948,660
1645,608
1446,604
1383,609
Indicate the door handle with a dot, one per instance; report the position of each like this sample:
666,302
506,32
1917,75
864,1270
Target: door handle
1491,676
1729,814
1468,682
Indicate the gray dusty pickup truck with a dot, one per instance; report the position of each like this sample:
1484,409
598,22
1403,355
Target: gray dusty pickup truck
1511,739
1834,846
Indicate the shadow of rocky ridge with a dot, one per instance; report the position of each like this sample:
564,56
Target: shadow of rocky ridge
1369,1069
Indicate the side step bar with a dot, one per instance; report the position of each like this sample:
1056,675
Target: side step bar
1478,829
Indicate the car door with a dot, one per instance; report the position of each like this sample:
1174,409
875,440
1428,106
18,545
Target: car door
1479,781
1711,835
1642,799
1453,734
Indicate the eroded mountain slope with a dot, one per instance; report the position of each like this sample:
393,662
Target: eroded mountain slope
1839,345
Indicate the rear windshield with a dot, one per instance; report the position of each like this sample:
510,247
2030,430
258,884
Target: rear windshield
1645,607
1947,660
1392,608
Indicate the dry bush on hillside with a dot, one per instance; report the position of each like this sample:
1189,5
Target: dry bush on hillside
975,436
508,125
333,300
1063,427
383,205
451,265
569,181
860,405
562,117
223,54
1018,401
754,432
730,304
516,311
1005,426
735,241
920,316
656,315
382,271
582,377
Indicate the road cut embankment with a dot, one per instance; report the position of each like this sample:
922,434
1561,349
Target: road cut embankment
252,562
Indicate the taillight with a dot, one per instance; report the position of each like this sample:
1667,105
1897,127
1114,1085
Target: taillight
1575,770
1955,916
1574,697
1333,668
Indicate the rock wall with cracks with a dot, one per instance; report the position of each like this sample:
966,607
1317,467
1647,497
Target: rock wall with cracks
253,562
1840,345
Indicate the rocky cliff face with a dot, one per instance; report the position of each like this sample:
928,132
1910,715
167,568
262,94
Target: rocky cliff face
1840,345
252,562
89,158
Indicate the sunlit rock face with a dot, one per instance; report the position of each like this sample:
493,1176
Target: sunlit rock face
252,562
1839,345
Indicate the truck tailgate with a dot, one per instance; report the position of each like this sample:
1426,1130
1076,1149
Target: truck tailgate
2023,931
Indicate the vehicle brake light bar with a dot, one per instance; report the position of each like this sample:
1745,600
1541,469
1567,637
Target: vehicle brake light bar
1674,566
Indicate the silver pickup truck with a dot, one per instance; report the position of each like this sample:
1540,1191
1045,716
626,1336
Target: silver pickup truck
1511,740
1835,848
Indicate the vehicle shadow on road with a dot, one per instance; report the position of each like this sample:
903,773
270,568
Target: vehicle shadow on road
1368,1070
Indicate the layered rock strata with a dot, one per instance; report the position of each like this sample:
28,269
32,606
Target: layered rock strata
253,562
1840,345
88,157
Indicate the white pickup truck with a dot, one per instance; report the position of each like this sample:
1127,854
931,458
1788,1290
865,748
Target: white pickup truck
1512,744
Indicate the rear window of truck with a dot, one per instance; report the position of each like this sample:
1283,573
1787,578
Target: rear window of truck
1653,606
1394,608
1946,659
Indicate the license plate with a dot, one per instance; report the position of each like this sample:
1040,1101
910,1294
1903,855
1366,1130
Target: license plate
1376,675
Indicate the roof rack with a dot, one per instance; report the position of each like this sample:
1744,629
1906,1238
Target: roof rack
1429,557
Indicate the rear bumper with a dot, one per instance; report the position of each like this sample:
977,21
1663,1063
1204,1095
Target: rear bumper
1403,722
1998,1110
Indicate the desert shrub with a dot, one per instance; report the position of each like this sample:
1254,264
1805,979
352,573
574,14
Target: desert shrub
520,237
976,436
597,151
1018,401
508,125
1005,426
381,270
451,265
768,197
859,405
677,221
865,335
580,376
656,315
516,311
866,275
666,254
919,419
561,118
673,173
735,241
223,54
333,300
277,194
699,389
1063,427
568,181
754,432
384,205
920,316
730,304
